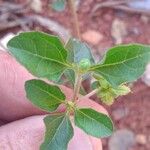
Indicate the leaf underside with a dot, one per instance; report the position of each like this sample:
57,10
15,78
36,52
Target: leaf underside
58,133
77,51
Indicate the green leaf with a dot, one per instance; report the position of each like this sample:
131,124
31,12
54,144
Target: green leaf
58,133
77,51
93,122
42,54
59,5
45,96
124,63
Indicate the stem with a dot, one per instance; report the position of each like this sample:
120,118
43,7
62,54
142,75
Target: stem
57,113
89,94
77,87
75,18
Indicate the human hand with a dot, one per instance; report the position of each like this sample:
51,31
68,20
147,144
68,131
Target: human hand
23,127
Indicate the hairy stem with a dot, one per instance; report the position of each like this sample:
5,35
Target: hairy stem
89,94
75,18
57,113
77,87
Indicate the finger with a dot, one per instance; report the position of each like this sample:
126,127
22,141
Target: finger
81,141
28,134
12,96
14,104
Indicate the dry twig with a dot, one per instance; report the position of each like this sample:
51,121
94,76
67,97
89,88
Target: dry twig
51,26
9,18
119,5
9,15
7,7
14,23
132,10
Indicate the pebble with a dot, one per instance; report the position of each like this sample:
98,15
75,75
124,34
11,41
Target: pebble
118,30
92,37
36,5
145,19
141,4
146,76
120,113
122,139
77,3
141,139
136,31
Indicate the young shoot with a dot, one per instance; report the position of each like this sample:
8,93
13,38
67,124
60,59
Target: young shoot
46,57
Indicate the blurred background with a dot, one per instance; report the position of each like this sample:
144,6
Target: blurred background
102,24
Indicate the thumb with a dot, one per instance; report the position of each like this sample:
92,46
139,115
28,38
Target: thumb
28,134
23,134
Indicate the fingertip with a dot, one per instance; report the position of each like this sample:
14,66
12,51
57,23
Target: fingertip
27,133
80,140
96,143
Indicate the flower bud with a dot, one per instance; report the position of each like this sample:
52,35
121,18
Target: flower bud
84,64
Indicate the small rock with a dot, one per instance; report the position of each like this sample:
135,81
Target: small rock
77,3
36,5
140,4
145,19
121,140
141,139
120,113
92,36
118,30
135,31
146,76
51,25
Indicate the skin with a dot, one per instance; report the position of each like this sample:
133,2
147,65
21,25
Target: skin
21,123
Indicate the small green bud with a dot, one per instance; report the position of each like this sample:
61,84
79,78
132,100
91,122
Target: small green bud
84,64
71,104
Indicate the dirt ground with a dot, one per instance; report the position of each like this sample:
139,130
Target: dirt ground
137,30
